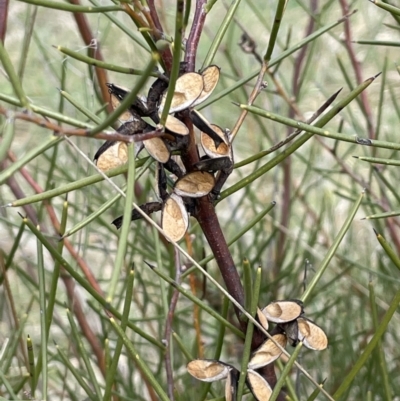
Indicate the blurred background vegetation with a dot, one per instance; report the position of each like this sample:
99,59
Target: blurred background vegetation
314,190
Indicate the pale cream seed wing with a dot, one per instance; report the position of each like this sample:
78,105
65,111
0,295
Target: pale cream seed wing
210,80
195,184
208,370
282,311
267,352
258,386
174,220
114,156
188,88
208,143
176,126
157,149
312,335
263,320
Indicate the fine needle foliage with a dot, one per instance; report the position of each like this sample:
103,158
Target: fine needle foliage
281,218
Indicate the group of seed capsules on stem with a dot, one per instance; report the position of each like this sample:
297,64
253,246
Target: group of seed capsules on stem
291,326
206,177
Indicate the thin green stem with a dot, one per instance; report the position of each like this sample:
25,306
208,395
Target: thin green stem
102,64
112,370
43,322
12,75
359,364
298,143
332,250
280,8
249,333
139,361
321,132
126,222
388,249
72,272
72,7
381,355
175,61
281,381
215,45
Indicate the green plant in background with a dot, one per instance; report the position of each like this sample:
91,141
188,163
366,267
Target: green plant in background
82,314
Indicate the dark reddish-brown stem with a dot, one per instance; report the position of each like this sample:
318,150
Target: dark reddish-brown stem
357,68
87,36
3,19
208,220
166,54
194,36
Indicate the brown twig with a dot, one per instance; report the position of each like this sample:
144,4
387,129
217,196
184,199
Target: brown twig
57,129
166,54
3,19
94,52
194,35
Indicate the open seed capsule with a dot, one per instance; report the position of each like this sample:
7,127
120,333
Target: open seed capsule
208,370
283,311
267,352
258,386
126,115
111,155
312,335
208,143
175,218
195,184
188,88
157,149
210,80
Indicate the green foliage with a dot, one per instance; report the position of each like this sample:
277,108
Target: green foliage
100,329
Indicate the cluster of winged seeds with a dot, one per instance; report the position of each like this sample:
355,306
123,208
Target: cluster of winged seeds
205,177
291,326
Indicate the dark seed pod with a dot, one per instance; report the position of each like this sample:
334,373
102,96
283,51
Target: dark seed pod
195,184
267,352
175,219
148,208
217,164
203,125
208,370
282,311
291,330
258,386
231,385
137,108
